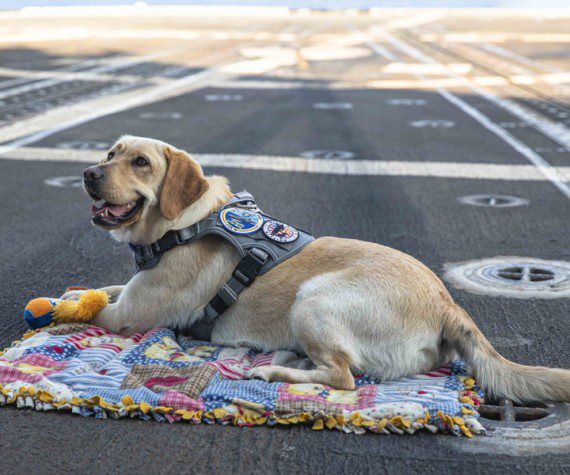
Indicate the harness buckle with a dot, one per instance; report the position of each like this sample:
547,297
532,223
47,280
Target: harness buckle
260,255
224,298
247,269
184,235
227,295
147,252
241,277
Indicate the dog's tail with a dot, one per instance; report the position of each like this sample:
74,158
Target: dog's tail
497,375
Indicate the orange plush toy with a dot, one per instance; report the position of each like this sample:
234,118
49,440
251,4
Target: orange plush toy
42,311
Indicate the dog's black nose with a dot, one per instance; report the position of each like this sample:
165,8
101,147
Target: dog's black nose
93,173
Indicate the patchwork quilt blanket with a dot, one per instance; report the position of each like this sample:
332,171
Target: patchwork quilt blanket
164,377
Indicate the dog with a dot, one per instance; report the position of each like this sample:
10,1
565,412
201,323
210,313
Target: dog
347,305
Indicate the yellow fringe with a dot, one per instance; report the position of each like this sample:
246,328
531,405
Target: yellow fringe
319,422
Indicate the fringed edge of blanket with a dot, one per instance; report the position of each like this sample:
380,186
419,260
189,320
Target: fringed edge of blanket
353,422
40,400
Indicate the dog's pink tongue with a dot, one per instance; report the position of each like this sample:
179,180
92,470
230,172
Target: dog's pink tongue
118,210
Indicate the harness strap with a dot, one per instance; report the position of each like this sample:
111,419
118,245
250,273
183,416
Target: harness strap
243,276
148,256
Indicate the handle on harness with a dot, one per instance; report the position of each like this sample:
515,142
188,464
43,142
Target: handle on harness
243,276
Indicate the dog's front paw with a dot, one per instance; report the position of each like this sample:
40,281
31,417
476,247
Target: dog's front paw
72,295
261,372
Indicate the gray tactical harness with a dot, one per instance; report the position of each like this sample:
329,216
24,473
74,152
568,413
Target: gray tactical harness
259,251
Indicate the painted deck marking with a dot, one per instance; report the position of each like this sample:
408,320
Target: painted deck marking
542,165
161,115
78,145
332,166
433,124
332,105
327,154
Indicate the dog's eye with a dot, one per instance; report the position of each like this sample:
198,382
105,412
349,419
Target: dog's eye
111,155
140,162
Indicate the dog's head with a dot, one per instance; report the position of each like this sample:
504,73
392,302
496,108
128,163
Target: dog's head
139,178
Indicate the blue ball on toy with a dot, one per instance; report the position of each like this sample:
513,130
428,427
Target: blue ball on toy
39,312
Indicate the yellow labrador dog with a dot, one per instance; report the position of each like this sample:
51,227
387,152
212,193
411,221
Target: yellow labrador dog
348,305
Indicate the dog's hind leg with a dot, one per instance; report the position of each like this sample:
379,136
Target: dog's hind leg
332,368
319,333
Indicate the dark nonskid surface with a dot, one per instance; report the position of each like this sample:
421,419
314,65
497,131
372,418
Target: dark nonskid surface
284,122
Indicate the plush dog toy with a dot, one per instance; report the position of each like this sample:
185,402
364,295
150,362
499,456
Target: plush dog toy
42,311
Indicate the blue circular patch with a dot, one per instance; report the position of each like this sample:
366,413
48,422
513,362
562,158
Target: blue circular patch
240,220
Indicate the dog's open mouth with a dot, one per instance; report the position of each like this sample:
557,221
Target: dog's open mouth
113,215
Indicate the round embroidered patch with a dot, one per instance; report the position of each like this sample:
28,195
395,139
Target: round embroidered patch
280,232
240,220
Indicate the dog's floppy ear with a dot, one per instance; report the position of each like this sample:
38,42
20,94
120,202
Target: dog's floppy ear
183,184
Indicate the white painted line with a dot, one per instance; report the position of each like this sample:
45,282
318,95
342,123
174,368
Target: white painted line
33,130
556,131
264,58
39,35
459,81
112,65
409,21
24,75
143,9
458,170
398,44
269,84
541,165
381,51
147,96
259,66
519,58
520,66
258,84
427,69
481,13
421,82
497,37
554,76
378,49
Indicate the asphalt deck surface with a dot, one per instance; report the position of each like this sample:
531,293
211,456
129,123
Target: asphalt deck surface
383,68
